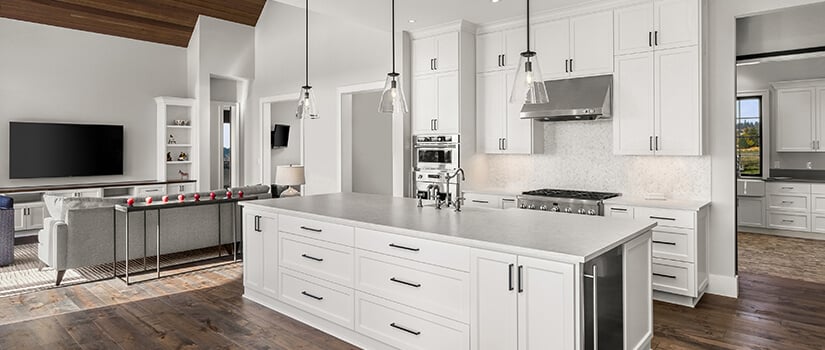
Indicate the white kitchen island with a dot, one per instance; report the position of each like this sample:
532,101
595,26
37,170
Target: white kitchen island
381,273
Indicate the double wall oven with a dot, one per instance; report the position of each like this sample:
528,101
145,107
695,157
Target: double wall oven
433,157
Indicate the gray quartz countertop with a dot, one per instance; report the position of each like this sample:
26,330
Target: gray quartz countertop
555,236
680,204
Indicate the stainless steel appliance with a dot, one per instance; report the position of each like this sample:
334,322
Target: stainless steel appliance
604,301
574,99
431,183
565,201
436,152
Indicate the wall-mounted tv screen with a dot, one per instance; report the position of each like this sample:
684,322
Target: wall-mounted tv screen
64,150
280,136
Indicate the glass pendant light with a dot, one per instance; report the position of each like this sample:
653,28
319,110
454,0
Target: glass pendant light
307,106
529,87
392,98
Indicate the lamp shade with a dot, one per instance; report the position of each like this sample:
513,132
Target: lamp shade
290,175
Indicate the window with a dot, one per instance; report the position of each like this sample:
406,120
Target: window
749,135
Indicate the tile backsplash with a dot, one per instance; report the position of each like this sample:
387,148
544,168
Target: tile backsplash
579,155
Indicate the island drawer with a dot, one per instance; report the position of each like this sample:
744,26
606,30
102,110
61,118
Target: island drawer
407,328
674,243
667,217
674,277
426,251
328,261
326,300
324,231
789,202
787,187
438,290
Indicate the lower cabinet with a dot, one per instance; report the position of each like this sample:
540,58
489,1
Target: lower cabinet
484,200
521,303
316,296
751,211
29,216
260,244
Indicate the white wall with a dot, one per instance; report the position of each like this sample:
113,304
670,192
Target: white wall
796,28
371,146
223,90
341,53
53,74
579,155
760,77
722,84
284,113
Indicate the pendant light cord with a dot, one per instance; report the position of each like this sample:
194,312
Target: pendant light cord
393,36
306,57
528,25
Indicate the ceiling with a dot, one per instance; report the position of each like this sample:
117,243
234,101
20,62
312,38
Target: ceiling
162,21
376,13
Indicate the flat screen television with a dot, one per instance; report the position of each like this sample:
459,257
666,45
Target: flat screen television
280,136
64,150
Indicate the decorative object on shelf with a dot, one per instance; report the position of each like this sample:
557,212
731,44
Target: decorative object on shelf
130,202
228,194
182,157
212,195
183,175
180,122
148,200
181,197
197,197
168,156
240,194
172,140
187,122
165,199
307,105
392,98
290,175
529,87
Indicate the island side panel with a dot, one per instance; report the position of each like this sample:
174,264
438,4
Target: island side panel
638,292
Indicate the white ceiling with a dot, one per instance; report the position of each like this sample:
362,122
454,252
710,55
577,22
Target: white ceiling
376,13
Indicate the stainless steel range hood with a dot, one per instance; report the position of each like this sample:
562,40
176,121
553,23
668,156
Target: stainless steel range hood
588,98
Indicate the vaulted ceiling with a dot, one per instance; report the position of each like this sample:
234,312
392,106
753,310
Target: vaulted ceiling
162,21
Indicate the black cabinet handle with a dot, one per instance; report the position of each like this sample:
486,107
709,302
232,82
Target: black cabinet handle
663,242
566,70
508,199
396,326
656,38
403,247
310,257
656,143
311,229
665,276
435,63
411,284
650,39
571,65
521,278
662,218
510,279
478,201
618,209
312,296
257,223
650,142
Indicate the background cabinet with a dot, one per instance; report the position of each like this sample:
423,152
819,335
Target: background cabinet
575,47
662,24
435,54
799,116
500,127
29,216
436,105
751,211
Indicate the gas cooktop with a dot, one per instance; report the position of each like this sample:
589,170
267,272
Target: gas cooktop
571,194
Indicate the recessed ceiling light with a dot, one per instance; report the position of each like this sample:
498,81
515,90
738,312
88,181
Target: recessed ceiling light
412,20
495,0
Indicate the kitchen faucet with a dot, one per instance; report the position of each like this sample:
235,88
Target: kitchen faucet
434,191
459,197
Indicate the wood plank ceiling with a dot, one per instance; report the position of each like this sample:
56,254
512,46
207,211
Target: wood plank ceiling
162,21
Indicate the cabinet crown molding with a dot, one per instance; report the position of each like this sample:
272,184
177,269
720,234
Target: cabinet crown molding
790,84
584,8
449,27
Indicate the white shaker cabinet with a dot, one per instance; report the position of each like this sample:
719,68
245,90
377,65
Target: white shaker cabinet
634,104
553,48
435,54
29,216
575,47
657,25
436,103
796,119
751,211
260,252
520,302
500,49
500,129
633,31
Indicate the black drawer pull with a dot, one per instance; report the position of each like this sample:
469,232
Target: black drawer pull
665,276
312,296
662,218
310,257
411,284
403,247
663,242
788,221
618,209
478,201
311,229
393,325
508,199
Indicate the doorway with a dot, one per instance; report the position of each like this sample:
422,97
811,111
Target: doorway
278,112
228,117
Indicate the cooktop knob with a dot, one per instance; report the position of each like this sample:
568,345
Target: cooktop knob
582,211
568,210
523,206
554,208
591,212
543,207
531,206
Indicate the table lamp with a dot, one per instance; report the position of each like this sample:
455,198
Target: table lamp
290,175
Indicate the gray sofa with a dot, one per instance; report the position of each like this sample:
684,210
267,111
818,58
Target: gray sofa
81,231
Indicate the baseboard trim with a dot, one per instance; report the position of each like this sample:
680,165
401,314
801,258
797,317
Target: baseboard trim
726,286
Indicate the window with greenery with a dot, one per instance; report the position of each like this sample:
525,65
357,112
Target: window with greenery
749,135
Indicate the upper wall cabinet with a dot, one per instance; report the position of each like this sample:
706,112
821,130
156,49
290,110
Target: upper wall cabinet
435,54
661,24
799,122
500,50
575,47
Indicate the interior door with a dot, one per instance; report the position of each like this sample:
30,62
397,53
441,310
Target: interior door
546,305
591,42
447,52
490,99
677,23
493,311
423,53
795,120
633,29
553,48
678,113
424,99
633,105
447,103
488,48
518,132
